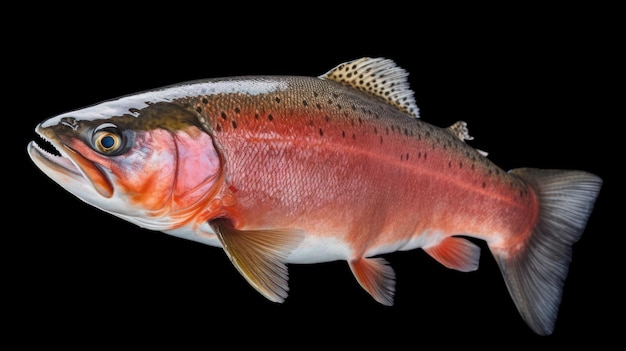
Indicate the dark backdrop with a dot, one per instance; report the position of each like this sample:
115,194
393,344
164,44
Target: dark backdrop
534,85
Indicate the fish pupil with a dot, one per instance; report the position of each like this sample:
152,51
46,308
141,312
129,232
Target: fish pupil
107,142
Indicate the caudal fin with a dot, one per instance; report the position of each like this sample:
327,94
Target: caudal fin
535,276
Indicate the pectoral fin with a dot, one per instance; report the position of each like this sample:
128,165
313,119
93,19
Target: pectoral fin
456,253
377,278
259,255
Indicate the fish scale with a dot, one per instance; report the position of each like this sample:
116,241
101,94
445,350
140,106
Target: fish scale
280,170
359,154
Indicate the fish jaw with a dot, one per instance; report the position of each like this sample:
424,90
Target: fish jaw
69,169
164,178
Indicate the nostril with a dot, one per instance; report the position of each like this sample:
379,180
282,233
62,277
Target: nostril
70,122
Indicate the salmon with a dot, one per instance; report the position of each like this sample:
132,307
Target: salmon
280,170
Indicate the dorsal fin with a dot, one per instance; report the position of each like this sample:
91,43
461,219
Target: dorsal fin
380,77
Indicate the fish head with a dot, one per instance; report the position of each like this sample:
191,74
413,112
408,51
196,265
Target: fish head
155,166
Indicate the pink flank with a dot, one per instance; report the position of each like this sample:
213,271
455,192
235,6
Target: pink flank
371,182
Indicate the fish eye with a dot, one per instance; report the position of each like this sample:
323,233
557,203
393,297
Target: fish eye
107,139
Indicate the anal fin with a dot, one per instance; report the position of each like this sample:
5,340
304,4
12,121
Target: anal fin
259,255
377,278
456,253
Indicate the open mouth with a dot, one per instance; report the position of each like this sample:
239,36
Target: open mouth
44,145
67,166
44,153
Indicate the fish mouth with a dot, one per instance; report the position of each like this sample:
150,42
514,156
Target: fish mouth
44,153
68,167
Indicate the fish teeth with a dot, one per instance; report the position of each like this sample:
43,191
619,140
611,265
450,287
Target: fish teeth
44,145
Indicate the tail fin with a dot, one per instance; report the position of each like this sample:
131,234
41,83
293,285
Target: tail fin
535,276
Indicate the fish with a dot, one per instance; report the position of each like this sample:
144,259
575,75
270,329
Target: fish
278,170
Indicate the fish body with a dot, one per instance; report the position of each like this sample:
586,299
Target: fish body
280,170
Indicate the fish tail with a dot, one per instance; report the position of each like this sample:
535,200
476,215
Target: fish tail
535,274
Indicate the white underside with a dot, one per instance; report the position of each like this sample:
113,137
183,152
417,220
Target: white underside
314,248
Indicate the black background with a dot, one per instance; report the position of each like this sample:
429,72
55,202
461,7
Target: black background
534,84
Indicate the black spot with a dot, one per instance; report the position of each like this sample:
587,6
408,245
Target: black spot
277,100
460,164
315,94
256,116
218,128
353,136
237,110
321,132
407,156
234,124
338,107
449,164
425,155
484,184
198,109
270,117
326,118
205,100
224,115
304,103
360,121
335,95
330,102
343,134
318,106
381,139
354,107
